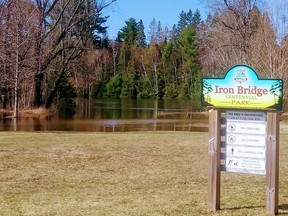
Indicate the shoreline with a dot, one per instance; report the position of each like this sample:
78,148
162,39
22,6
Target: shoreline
28,113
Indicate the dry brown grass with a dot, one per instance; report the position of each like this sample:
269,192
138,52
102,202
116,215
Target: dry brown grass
36,113
141,173
29,113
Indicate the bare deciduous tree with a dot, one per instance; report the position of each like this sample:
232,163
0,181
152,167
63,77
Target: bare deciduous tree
227,36
17,41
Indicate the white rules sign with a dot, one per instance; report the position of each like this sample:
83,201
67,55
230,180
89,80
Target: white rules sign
245,142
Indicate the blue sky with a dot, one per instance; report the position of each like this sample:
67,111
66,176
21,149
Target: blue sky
165,11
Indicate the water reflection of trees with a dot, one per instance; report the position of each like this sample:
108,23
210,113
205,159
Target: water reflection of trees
119,115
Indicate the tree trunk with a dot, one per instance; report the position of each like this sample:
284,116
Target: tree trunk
16,105
53,93
38,78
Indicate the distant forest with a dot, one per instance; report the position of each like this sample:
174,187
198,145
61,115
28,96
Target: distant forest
53,51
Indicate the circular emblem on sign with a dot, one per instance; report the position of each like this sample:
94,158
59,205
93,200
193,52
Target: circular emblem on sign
231,139
231,127
240,76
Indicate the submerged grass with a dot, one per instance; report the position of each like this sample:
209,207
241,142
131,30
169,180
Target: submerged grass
137,173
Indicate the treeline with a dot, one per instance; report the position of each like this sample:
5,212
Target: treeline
55,50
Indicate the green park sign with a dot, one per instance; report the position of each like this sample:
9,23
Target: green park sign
241,88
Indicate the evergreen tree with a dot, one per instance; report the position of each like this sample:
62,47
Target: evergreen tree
173,34
189,17
129,32
128,86
182,23
188,47
171,90
196,20
141,37
66,99
114,86
128,35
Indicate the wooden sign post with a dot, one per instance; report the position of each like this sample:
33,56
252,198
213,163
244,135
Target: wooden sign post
244,127
214,151
272,162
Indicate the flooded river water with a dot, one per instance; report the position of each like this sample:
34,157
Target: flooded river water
119,115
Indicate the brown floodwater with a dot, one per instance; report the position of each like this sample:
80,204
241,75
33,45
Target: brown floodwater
113,115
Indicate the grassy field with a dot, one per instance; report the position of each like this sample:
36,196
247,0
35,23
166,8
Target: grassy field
133,173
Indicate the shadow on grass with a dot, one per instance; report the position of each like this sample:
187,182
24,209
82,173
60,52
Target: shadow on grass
243,207
283,207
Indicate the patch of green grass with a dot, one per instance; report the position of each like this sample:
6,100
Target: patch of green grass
133,173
